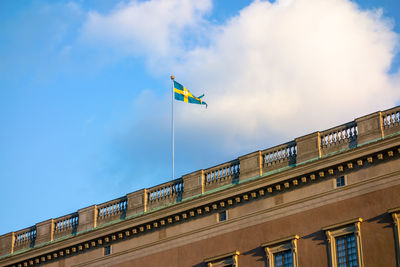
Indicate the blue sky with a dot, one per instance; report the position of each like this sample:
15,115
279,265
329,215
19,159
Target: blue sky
85,88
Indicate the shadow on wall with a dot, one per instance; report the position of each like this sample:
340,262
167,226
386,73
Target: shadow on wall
258,253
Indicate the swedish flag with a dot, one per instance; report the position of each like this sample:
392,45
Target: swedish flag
182,94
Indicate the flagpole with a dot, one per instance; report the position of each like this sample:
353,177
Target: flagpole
172,128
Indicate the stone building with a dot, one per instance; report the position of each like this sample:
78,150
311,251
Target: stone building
329,198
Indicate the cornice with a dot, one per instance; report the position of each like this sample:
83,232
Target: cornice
338,225
240,218
225,255
281,240
252,188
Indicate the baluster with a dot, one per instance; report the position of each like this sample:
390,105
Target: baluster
346,135
391,119
387,121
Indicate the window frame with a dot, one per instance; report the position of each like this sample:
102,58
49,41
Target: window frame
341,229
104,250
223,259
219,216
280,245
335,181
396,225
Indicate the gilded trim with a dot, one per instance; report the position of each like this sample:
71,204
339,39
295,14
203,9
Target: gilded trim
340,229
279,245
231,257
396,228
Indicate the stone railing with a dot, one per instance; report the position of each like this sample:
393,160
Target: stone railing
369,128
66,225
391,120
25,238
111,210
165,193
279,156
337,138
221,174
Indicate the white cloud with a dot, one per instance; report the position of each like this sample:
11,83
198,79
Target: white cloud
276,70
152,27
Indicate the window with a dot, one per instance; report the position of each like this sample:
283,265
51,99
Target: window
346,251
344,244
222,216
340,181
282,252
107,250
283,259
396,224
225,260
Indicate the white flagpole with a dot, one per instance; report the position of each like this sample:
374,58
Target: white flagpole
172,128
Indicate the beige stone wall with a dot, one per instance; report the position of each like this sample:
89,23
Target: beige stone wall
377,237
282,191
303,211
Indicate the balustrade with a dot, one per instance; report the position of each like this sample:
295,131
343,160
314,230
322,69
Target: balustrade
25,238
285,153
110,209
391,120
339,137
365,129
66,224
222,172
166,190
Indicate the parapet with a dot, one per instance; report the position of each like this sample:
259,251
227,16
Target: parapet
364,130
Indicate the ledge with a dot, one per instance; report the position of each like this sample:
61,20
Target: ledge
219,257
339,225
281,240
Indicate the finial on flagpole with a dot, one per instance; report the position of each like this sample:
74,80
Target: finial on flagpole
172,77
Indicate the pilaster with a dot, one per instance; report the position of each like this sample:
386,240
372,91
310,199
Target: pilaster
87,218
193,184
370,127
250,165
7,243
44,231
137,202
308,147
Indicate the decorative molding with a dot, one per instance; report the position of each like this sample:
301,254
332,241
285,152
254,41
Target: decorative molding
260,192
282,244
188,235
341,229
223,260
396,228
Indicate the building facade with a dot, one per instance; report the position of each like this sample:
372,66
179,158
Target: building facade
329,198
